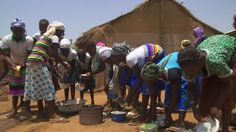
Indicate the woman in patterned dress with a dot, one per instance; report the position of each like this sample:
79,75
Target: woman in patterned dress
38,84
215,58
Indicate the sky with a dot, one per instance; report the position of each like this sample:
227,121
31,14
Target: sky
82,15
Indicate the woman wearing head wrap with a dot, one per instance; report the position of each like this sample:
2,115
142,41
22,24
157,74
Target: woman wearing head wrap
55,28
135,60
84,66
176,94
185,43
215,58
98,64
38,84
199,34
69,55
101,60
18,46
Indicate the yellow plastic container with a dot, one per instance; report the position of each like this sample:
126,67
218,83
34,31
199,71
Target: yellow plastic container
17,71
148,127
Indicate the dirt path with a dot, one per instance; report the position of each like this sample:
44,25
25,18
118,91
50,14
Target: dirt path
36,125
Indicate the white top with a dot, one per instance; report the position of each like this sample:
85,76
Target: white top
96,62
72,55
18,51
137,56
104,53
37,36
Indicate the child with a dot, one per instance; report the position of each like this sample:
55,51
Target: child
43,24
84,66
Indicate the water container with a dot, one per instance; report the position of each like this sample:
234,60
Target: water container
17,71
148,127
118,116
91,115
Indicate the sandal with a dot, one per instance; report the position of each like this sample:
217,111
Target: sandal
134,123
61,120
24,116
165,124
132,115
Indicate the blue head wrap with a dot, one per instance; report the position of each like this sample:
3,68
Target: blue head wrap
18,23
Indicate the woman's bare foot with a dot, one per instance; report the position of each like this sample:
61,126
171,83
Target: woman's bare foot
107,107
24,116
134,122
12,113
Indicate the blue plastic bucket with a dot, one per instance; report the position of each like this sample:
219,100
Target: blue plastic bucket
118,116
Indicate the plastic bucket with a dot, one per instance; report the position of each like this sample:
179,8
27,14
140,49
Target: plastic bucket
118,116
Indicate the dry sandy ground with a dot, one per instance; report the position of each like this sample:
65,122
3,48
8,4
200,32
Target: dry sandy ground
37,125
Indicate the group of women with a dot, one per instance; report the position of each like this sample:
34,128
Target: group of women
200,75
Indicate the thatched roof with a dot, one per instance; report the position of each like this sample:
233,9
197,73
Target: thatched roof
232,33
156,21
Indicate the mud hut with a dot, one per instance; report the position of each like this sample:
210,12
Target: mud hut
165,22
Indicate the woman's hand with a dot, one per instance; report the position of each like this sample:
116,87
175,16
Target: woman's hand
86,75
66,65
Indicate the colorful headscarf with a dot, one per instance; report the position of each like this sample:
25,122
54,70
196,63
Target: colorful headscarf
101,44
151,71
65,44
18,23
120,49
199,34
185,43
51,30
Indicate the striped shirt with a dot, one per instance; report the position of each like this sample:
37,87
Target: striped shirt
151,50
142,54
39,52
